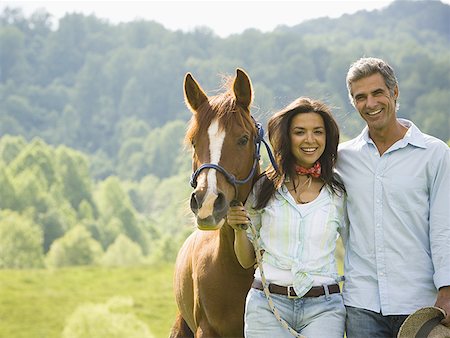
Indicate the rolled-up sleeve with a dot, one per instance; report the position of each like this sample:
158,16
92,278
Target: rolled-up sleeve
440,219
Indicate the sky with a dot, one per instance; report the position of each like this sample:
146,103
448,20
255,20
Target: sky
223,17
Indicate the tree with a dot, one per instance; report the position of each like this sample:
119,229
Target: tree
113,202
12,62
428,113
73,169
7,191
53,225
163,146
132,160
170,204
20,242
76,247
37,156
123,252
31,190
10,147
142,193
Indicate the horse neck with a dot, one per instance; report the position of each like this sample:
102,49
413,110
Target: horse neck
244,190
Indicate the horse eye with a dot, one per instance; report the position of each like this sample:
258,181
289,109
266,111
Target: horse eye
243,141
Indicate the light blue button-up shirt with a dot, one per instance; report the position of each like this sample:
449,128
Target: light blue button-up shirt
398,249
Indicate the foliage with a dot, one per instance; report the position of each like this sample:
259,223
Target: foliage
20,242
7,192
114,92
117,211
106,321
37,303
123,252
76,247
51,188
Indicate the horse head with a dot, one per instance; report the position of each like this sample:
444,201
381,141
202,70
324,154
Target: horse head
223,137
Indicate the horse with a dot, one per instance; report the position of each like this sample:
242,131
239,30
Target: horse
209,283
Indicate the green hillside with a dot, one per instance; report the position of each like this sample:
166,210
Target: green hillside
114,92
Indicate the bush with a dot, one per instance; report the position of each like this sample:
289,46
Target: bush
123,252
76,247
108,320
20,242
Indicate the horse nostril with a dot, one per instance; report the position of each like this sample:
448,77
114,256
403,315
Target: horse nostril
220,203
195,205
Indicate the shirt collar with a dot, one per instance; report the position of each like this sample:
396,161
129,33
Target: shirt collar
413,135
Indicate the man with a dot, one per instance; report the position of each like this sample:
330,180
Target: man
398,185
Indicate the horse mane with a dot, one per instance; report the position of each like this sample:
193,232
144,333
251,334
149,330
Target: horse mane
222,106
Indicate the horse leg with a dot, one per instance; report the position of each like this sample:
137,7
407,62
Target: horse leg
204,330
180,329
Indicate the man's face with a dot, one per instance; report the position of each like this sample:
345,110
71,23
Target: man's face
374,103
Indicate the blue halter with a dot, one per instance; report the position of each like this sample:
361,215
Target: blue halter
256,156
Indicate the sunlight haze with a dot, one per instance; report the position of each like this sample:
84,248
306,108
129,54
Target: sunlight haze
223,17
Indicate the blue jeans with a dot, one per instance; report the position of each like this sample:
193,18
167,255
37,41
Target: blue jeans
366,323
313,317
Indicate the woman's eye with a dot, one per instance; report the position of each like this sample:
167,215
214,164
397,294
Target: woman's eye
243,141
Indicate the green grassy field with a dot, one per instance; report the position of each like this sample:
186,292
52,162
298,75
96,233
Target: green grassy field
37,303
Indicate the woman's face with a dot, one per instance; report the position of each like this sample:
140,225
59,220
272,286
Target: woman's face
308,138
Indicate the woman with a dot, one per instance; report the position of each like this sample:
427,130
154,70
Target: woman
298,213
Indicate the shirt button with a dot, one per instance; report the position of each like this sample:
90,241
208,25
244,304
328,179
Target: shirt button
381,274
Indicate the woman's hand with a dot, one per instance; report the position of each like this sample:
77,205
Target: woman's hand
237,217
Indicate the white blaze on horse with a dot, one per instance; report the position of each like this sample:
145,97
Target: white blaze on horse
209,283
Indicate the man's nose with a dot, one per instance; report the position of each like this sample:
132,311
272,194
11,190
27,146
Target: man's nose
371,101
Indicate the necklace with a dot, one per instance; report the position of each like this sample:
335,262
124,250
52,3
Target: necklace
298,190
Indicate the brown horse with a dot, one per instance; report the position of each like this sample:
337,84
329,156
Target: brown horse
209,283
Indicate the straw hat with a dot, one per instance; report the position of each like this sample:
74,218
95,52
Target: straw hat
425,323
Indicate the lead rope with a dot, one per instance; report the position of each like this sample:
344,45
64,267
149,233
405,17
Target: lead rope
265,286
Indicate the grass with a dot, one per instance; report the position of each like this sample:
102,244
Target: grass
36,303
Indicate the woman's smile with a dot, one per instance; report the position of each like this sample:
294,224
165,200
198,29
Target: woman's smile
308,138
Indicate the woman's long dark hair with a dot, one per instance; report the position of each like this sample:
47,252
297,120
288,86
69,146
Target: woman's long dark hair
278,129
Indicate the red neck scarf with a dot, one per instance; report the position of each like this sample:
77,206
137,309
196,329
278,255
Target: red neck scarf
314,171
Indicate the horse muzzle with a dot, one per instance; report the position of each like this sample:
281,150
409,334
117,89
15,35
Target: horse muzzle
209,209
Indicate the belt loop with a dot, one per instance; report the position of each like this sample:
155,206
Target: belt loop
327,292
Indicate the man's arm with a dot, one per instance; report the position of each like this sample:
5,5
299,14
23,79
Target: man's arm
443,302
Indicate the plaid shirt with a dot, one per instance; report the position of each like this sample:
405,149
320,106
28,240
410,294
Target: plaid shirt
299,237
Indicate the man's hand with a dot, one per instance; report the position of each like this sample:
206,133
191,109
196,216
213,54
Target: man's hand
443,302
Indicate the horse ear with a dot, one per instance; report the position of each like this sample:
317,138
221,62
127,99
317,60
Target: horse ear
193,93
243,89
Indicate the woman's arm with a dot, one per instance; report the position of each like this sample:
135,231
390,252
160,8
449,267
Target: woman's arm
237,216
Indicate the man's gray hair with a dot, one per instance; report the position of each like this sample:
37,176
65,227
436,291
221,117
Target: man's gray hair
365,67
